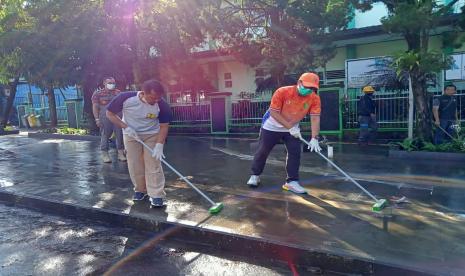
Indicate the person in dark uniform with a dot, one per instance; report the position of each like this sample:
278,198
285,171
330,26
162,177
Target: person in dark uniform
445,114
367,116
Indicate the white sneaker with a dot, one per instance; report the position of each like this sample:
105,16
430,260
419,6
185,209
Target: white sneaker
106,157
121,156
295,187
254,180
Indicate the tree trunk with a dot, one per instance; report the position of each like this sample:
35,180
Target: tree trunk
52,107
9,103
423,108
89,85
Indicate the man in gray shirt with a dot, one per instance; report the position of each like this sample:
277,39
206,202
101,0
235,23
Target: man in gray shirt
146,116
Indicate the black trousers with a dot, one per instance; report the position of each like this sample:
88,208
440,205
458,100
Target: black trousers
268,139
439,135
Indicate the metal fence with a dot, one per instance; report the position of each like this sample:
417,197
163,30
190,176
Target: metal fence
392,108
461,105
248,113
38,101
193,115
38,105
62,113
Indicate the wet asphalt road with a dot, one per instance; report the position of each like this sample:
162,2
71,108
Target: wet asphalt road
32,243
336,217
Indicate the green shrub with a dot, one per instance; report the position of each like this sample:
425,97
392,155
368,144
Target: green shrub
456,145
72,131
410,144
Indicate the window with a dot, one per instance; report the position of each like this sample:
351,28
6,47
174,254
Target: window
227,80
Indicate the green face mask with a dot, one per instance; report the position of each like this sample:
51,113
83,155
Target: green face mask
304,91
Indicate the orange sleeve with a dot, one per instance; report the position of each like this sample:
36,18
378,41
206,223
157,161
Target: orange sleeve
277,101
315,106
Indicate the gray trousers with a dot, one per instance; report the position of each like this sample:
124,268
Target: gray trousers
106,130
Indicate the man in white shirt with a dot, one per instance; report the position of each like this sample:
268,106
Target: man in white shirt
146,116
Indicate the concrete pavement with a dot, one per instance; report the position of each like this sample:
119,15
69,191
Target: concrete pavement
335,218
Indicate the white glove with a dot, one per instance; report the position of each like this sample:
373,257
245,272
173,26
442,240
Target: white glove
157,152
131,132
314,145
295,131
455,127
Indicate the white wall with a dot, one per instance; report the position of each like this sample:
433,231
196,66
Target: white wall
242,76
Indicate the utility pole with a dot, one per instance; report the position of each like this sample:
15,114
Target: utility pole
410,108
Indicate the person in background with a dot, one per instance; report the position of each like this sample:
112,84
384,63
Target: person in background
366,111
445,114
100,100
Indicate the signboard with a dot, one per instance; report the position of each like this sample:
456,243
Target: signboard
457,70
329,110
370,71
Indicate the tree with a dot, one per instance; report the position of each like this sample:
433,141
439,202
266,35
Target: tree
287,36
60,40
415,20
14,22
168,31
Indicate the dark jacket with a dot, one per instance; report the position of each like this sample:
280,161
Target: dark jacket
366,105
447,107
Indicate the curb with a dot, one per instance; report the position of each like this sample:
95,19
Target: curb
63,136
206,238
9,132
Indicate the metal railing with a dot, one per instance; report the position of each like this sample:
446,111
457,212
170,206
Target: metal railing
38,101
191,115
62,113
248,113
392,108
461,105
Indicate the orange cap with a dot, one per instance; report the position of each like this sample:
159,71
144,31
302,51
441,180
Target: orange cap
310,80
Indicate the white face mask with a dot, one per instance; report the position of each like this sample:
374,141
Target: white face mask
110,86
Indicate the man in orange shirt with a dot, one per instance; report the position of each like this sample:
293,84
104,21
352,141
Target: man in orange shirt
289,105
